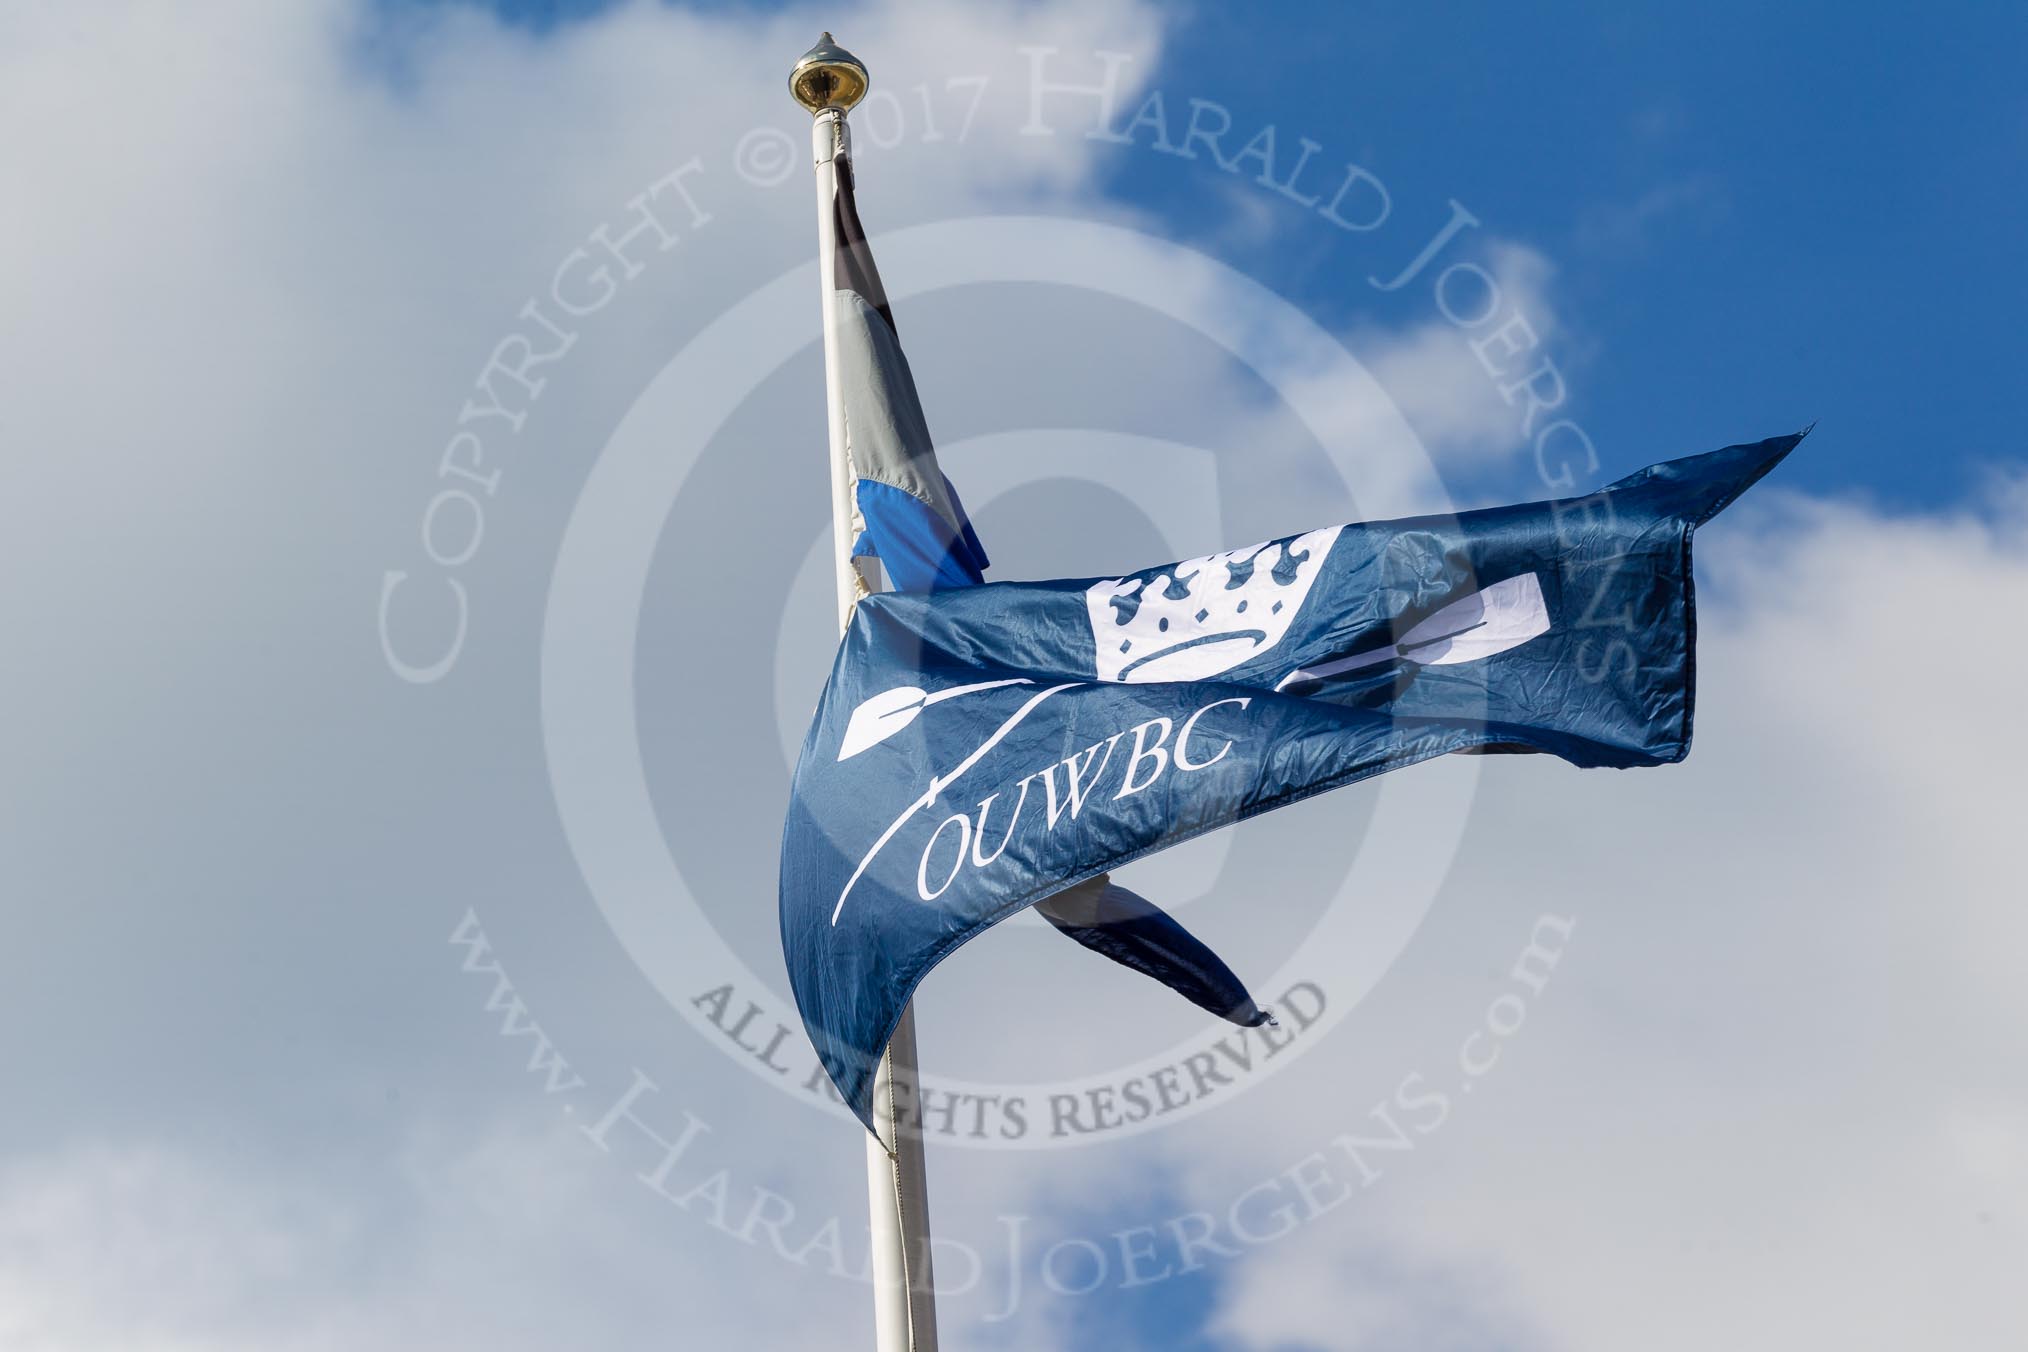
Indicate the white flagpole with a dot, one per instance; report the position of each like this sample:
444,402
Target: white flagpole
829,81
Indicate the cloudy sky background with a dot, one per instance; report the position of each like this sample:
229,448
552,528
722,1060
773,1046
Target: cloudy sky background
253,258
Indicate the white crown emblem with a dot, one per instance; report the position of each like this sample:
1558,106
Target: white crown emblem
1203,616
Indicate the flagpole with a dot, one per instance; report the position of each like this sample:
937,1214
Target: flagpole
829,81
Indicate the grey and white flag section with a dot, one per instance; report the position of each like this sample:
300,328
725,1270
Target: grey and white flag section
908,513
980,748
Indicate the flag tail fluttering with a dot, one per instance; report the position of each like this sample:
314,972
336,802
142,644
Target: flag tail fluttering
1136,933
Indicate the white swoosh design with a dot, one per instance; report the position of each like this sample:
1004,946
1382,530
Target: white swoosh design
942,782
881,716
1470,629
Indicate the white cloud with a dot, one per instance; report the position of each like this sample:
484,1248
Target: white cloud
257,253
1451,393
255,256
1768,1102
518,1238
1460,375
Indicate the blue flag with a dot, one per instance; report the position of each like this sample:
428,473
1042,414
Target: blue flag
910,518
978,750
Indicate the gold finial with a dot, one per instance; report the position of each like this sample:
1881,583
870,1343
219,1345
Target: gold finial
828,77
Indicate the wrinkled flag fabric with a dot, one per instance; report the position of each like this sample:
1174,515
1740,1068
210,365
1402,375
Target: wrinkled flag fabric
912,521
977,750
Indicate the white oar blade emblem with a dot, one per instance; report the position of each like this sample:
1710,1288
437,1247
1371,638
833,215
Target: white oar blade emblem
1504,615
880,716
1489,621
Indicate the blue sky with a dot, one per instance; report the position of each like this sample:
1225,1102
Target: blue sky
260,264
1762,216
1835,195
